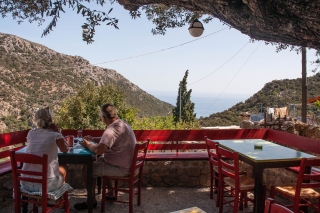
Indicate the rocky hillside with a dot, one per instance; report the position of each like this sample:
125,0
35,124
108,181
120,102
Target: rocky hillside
32,75
277,93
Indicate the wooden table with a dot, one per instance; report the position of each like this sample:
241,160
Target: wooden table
79,156
271,155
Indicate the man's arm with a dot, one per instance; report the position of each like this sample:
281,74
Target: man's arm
93,139
99,148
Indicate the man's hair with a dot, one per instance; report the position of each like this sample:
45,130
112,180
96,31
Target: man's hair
108,111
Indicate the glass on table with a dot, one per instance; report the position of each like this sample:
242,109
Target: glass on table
70,140
79,134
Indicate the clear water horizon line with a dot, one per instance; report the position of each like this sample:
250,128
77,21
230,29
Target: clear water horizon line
206,105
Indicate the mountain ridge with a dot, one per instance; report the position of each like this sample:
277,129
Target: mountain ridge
274,94
32,76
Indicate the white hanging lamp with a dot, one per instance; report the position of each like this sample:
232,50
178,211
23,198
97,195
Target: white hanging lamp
196,28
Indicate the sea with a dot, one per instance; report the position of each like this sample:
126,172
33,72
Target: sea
206,105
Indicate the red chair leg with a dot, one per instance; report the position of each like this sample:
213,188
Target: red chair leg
116,186
99,184
272,192
220,198
245,200
66,202
139,193
242,200
211,187
131,199
217,199
103,194
17,202
35,208
24,206
236,201
264,195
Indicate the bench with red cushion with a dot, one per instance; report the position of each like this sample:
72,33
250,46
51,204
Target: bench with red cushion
296,169
188,144
169,152
170,145
12,140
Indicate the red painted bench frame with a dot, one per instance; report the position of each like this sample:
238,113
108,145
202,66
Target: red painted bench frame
172,136
187,151
169,138
9,139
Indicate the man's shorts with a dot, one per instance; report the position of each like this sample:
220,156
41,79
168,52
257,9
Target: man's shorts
106,169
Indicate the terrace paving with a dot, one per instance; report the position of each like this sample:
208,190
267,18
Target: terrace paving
154,200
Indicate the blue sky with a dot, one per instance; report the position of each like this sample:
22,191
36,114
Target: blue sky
159,73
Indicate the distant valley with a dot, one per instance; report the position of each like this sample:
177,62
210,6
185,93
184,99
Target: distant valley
277,93
32,76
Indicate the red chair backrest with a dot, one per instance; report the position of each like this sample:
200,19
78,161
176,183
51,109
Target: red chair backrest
139,156
212,152
306,180
272,207
30,159
230,168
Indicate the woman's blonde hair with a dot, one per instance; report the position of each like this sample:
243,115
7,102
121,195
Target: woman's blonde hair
42,118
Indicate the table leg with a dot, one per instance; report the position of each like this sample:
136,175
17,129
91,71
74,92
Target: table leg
89,186
306,171
258,190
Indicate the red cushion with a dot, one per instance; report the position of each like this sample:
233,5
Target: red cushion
169,156
296,169
5,168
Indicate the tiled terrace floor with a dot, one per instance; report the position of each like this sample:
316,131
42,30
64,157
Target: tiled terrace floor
154,200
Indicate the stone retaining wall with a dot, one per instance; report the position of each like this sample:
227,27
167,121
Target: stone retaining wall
176,173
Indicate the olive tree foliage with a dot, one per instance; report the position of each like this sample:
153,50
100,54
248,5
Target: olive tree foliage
39,10
162,122
171,14
184,110
81,111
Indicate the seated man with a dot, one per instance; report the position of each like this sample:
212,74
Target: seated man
116,144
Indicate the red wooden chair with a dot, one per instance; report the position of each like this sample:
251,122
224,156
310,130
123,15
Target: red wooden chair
272,207
133,179
213,164
303,192
22,197
232,181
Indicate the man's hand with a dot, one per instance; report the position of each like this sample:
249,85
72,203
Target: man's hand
88,137
92,139
85,143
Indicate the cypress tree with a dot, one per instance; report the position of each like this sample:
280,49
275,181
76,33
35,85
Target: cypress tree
187,107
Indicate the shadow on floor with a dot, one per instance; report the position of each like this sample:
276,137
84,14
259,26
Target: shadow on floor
154,200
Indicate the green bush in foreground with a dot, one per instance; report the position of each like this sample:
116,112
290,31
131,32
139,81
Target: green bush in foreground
81,111
162,122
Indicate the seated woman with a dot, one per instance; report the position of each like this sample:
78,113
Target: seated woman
46,139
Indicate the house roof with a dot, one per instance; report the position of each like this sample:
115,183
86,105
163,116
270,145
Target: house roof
314,99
